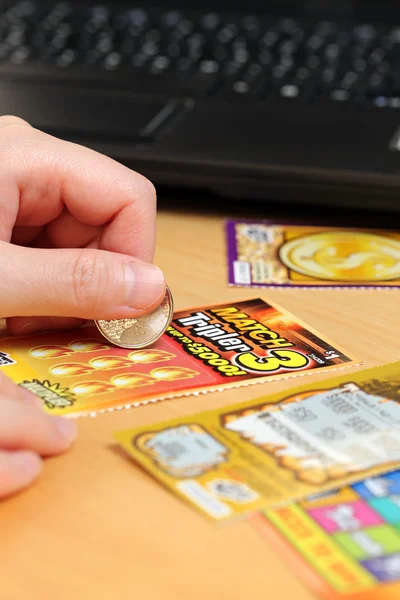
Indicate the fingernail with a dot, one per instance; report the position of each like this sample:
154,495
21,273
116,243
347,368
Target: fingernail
66,428
27,462
145,285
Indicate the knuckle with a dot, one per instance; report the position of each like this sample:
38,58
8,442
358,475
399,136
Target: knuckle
149,192
90,277
12,121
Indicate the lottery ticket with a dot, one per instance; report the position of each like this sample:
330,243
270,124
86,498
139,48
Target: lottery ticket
265,254
343,544
204,349
267,452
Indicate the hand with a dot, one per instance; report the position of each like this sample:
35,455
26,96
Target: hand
77,234
82,233
27,434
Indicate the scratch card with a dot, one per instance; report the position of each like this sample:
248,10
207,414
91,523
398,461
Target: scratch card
269,451
204,348
344,544
263,254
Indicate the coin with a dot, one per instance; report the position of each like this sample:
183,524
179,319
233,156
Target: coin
343,256
141,332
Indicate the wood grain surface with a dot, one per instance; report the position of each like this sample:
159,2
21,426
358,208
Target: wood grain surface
97,526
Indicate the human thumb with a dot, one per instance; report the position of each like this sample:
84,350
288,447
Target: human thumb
82,283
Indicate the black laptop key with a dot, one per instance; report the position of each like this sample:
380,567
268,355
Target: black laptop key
239,90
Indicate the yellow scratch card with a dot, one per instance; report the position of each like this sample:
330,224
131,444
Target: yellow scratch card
278,448
264,254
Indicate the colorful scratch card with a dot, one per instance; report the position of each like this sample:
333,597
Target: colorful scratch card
278,448
205,348
342,544
263,254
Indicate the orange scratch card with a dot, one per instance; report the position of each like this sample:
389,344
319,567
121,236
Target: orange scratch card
344,544
206,348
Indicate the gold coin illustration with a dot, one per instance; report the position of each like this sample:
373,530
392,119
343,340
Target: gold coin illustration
343,256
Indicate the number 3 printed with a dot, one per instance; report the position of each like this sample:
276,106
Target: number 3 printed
277,359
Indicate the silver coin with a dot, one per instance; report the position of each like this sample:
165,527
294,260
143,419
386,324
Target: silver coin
141,332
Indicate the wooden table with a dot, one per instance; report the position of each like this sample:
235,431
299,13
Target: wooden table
96,526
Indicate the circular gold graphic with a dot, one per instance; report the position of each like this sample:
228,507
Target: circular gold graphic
343,256
140,332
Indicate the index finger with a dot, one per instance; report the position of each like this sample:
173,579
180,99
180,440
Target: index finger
50,174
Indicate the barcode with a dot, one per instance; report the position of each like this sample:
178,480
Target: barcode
242,272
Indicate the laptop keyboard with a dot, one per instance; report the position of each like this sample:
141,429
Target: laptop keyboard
236,58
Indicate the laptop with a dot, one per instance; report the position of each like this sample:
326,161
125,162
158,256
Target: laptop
291,100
